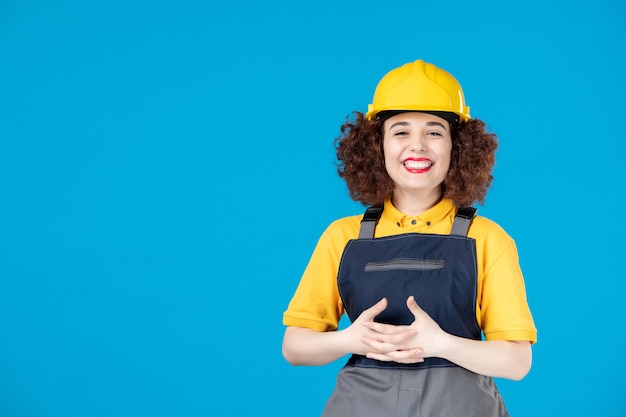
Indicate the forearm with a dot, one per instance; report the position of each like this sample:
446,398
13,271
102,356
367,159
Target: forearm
496,358
303,346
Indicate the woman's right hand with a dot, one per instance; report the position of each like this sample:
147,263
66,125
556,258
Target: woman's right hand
357,330
303,346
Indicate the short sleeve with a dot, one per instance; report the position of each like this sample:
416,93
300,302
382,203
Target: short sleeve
504,310
316,304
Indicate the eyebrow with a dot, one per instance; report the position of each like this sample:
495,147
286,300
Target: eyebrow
402,123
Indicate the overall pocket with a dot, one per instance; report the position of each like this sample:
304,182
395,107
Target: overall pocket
404,264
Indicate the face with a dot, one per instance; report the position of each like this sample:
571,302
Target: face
417,149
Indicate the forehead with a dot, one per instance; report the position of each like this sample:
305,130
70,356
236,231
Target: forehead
415,118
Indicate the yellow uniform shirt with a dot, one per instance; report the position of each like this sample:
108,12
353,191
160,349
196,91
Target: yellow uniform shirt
502,311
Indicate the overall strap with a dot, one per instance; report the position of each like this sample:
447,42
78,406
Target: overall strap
462,221
368,223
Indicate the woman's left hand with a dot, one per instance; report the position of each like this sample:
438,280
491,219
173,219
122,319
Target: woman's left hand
424,339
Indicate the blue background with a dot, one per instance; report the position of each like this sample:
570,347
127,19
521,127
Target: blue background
167,167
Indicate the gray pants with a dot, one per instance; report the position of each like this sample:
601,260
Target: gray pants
434,392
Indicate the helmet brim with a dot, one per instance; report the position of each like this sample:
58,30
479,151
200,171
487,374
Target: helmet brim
450,117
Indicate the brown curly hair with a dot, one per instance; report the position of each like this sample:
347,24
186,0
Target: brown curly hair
361,162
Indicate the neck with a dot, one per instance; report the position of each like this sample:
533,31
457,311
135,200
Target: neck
413,205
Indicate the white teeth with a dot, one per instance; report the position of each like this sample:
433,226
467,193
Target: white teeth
417,164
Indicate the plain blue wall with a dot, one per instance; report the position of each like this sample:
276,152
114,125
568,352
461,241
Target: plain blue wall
167,167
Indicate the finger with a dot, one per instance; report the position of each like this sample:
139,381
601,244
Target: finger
390,329
410,360
388,343
380,305
375,310
379,357
410,355
378,346
413,306
405,357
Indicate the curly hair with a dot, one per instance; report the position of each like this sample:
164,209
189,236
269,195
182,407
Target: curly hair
361,162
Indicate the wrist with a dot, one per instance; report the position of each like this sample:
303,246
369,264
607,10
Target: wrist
446,346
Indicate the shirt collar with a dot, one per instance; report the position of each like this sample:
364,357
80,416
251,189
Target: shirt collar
441,210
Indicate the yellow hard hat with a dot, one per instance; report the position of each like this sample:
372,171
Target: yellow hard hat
419,86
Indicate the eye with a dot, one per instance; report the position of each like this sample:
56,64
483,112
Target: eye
401,133
435,133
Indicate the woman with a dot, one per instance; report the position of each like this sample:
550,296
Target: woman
434,293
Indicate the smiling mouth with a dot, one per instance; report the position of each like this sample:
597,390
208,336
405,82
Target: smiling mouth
423,164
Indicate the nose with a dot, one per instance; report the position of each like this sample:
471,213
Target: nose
418,145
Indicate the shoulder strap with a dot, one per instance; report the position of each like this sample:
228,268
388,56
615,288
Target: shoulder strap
369,221
462,221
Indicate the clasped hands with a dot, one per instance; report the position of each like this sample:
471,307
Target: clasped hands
390,343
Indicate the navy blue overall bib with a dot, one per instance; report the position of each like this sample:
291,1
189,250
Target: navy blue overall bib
440,272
